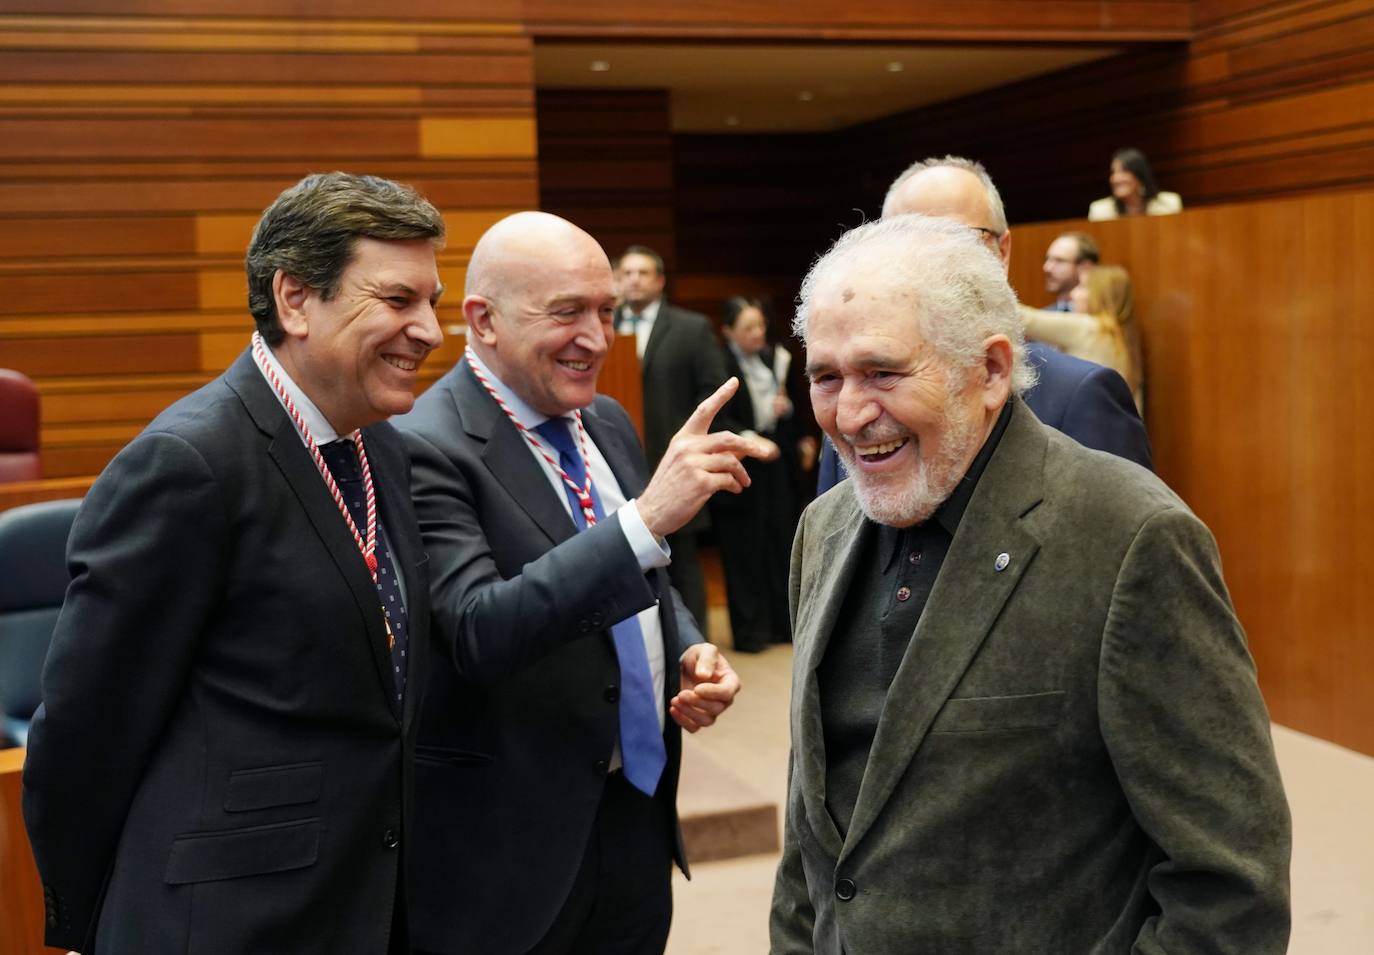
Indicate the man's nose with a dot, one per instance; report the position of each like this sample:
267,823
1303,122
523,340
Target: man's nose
854,410
425,328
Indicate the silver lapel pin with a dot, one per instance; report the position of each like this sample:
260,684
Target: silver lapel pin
1002,560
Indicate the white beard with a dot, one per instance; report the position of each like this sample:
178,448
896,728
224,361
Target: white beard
929,484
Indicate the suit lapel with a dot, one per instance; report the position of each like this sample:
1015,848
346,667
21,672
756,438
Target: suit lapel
964,605
660,331
619,457
507,456
832,570
293,460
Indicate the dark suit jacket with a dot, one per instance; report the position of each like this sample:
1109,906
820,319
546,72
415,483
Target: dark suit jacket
219,764
510,768
681,367
1089,402
1073,756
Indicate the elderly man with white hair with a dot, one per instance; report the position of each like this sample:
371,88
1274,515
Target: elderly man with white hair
1024,718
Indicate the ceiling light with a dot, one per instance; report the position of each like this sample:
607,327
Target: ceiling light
806,96
600,66
895,66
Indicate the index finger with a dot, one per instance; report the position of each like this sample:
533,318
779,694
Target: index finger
700,421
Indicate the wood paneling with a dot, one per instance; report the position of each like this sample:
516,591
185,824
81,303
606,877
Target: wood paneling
606,164
139,147
871,19
1256,331
1265,100
21,894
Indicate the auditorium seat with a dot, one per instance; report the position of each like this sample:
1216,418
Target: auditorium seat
33,545
18,427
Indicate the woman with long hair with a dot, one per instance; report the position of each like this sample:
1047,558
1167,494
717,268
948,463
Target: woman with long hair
1101,327
1134,191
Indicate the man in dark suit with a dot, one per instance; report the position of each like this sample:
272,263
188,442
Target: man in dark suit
1086,401
680,366
1024,716
221,762
546,815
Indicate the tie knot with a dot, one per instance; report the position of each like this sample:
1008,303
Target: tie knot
558,432
341,457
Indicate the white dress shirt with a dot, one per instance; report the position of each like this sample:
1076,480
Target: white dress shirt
644,327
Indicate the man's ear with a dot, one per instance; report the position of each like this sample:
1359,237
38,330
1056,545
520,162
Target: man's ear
997,368
290,295
480,318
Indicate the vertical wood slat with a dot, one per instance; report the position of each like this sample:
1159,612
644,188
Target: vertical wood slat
1253,346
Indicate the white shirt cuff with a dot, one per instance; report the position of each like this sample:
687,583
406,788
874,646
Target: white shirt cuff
648,551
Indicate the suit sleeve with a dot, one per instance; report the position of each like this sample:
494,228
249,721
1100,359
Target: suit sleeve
147,554
1188,734
1102,415
490,626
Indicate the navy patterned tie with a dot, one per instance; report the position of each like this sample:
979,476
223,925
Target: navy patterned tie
641,739
342,459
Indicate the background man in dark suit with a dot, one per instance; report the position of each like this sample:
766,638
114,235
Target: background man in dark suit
222,759
1024,717
546,801
680,363
1086,401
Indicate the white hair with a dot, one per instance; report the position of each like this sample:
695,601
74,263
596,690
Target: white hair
957,287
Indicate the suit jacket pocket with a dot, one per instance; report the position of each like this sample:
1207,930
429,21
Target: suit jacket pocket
257,850
292,785
981,714
449,756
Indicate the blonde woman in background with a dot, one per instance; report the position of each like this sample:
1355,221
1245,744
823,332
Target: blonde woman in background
1100,328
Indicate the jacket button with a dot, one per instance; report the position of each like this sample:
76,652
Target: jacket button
844,890
601,765
584,625
598,619
391,839
612,693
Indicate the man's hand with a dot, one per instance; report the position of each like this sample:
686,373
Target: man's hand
697,464
709,685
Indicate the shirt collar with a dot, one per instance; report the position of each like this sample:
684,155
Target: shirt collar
314,419
524,413
650,312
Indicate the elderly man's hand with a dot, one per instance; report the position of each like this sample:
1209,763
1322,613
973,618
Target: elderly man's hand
698,463
709,685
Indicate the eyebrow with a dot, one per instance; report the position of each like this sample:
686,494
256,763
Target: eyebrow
866,362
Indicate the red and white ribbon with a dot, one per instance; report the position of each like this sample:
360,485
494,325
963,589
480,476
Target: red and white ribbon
367,547
583,493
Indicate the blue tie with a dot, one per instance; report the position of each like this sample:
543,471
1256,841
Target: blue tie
342,459
641,740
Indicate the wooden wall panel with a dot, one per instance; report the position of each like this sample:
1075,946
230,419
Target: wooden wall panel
871,19
138,147
606,164
1256,330
1264,100
21,893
